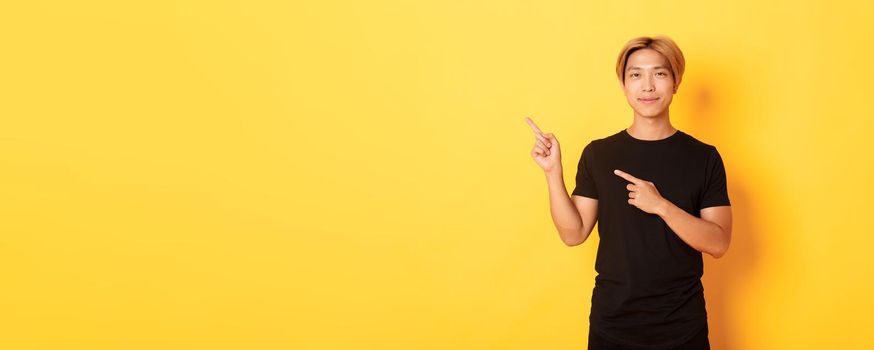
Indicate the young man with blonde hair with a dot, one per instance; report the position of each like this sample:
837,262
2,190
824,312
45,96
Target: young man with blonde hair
660,199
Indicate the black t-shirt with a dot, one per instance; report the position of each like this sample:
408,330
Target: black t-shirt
648,292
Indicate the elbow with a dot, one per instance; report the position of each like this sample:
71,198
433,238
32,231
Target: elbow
722,248
574,240
719,252
573,243
717,255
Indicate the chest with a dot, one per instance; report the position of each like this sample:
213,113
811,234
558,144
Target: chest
678,176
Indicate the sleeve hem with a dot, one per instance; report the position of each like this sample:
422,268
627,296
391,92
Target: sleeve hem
716,204
584,194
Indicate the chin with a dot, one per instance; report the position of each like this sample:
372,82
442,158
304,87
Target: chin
649,113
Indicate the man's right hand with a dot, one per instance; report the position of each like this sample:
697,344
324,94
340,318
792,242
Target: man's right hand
546,152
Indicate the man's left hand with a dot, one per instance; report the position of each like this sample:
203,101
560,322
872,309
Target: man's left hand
643,194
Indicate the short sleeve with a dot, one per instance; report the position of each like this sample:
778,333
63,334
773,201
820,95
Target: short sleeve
715,191
585,183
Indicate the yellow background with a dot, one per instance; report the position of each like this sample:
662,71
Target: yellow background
357,175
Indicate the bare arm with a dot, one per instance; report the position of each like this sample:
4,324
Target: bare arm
710,234
574,217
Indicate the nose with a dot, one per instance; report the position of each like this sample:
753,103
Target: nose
648,86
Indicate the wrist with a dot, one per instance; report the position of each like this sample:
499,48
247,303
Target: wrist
663,208
554,172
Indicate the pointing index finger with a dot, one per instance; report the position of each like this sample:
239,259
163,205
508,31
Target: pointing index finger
627,176
533,126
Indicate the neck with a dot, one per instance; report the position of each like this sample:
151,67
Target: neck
651,128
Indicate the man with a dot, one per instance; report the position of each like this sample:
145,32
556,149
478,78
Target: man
660,199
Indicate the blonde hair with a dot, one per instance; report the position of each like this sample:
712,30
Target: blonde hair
661,43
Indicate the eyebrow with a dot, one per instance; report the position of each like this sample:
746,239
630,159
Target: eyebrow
636,67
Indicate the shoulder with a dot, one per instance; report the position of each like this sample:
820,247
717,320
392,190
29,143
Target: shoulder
694,141
604,141
699,146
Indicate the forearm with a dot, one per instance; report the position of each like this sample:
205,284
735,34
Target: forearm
564,213
700,234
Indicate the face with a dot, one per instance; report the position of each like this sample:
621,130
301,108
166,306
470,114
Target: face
649,83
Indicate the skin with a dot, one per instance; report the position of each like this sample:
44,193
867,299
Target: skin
648,75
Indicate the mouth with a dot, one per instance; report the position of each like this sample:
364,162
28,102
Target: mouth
648,100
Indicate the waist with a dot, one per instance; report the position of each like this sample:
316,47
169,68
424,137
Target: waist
649,305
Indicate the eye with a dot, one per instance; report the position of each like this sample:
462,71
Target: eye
662,73
633,74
